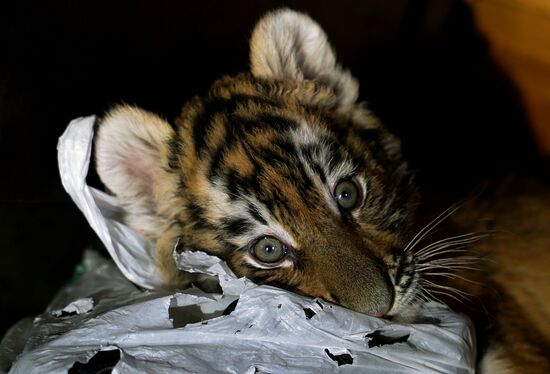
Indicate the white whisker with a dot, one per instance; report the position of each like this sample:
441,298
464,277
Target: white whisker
451,276
457,250
452,241
451,266
421,298
433,297
458,259
456,298
447,288
430,226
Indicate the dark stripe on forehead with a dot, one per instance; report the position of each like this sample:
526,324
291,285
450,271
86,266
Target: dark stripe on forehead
344,144
327,145
241,124
279,151
282,156
337,157
233,188
238,127
215,162
255,213
214,105
272,156
274,201
276,122
229,177
286,146
310,153
317,169
236,226
303,180
237,185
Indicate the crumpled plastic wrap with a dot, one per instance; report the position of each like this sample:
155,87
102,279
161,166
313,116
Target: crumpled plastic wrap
104,320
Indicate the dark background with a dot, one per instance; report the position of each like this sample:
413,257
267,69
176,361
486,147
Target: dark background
422,66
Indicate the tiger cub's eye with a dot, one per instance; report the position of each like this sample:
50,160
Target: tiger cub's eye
269,250
347,194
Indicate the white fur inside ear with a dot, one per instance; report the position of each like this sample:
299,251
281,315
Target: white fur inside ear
131,153
289,45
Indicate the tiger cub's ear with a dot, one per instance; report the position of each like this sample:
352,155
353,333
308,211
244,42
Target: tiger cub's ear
290,45
131,151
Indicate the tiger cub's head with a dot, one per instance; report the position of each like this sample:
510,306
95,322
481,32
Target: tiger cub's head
280,172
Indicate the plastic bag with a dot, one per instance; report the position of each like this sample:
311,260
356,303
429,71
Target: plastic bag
248,329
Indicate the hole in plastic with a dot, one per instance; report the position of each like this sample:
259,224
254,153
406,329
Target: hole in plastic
309,313
378,339
184,315
102,362
340,359
230,308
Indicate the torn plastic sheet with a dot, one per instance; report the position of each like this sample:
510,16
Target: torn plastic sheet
78,306
130,251
267,331
247,329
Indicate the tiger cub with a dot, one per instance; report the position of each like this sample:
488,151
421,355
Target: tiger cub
284,175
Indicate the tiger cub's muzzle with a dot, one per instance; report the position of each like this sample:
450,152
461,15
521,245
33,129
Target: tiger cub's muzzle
347,274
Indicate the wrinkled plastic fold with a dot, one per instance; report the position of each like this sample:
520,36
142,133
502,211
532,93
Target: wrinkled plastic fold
246,329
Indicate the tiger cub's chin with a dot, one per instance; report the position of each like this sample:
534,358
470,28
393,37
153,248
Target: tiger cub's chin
284,175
